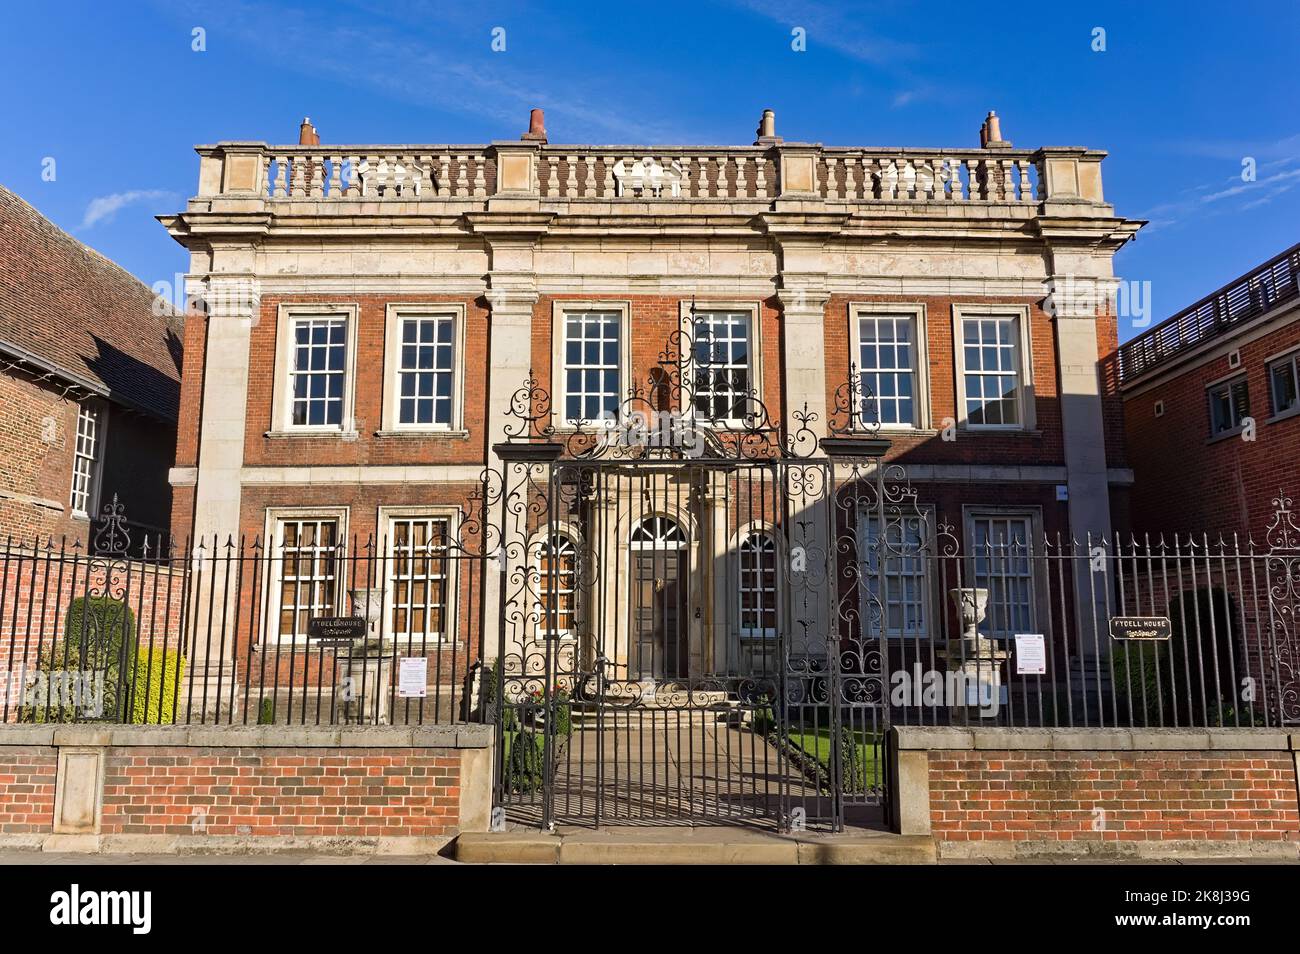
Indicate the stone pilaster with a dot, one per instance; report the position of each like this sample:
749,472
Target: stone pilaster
1078,287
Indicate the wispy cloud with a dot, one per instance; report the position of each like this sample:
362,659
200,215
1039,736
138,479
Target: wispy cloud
105,207
836,27
1226,195
392,52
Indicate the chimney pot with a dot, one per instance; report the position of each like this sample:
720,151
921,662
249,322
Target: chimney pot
991,133
307,135
536,126
766,131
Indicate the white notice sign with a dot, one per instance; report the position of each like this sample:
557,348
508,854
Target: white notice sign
412,677
1031,654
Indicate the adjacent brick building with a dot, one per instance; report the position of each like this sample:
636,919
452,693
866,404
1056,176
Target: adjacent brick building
1211,407
89,384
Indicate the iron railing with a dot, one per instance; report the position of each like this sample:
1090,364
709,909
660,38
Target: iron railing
1262,289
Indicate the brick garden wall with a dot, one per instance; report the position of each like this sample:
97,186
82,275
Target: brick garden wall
209,789
27,776
281,792
985,796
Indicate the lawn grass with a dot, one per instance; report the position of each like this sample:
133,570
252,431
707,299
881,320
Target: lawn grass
862,761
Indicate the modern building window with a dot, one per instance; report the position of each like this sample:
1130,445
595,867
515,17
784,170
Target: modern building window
1284,382
1001,555
318,373
426,371
1229,404
591,370
722,373
757,566
992,371
887,365
85,461
419,574
307,559
894,571
557,586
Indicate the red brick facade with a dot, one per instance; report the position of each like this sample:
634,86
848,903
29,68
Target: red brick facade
298,793
652,320
1189,482
1069,796
27,777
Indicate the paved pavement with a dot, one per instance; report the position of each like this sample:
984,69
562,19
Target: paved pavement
61,858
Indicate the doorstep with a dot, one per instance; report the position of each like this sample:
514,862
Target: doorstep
694,846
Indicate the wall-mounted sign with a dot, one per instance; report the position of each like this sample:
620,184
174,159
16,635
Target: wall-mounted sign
413,677
336,630
1140,627
1031,654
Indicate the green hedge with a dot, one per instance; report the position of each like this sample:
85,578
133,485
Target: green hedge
156,685
99,634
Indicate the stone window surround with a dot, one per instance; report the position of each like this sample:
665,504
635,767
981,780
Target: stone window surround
394,313
281,389
920,347
559,308
705,306
454,517
1040,582
1028,417
271,575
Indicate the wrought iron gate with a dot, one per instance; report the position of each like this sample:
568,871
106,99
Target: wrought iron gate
690,622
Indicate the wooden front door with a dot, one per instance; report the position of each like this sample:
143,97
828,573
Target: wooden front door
658,614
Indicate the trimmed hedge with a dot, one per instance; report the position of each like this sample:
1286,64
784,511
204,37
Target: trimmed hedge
156,687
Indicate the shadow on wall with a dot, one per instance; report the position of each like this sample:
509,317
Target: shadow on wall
140,436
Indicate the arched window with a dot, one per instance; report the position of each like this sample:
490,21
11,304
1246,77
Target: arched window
758,584
557,587
657,533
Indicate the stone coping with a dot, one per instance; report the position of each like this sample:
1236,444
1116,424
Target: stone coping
253,736
929,738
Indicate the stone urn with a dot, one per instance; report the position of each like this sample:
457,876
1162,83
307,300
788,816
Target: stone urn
976,658
366,667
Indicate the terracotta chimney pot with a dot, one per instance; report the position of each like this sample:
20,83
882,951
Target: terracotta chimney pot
307,135
536,127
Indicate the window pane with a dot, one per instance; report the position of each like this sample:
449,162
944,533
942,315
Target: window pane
885,357
992,371
426,368
722,378
591,362
319,369
418,572
1285,393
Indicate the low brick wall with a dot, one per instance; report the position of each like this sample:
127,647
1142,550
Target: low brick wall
26,788
266,788
1154,793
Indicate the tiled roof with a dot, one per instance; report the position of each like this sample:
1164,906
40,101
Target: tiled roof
70,309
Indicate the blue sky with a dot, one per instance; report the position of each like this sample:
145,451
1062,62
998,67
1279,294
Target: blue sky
1182,94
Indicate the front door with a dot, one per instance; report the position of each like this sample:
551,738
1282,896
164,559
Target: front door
658,602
